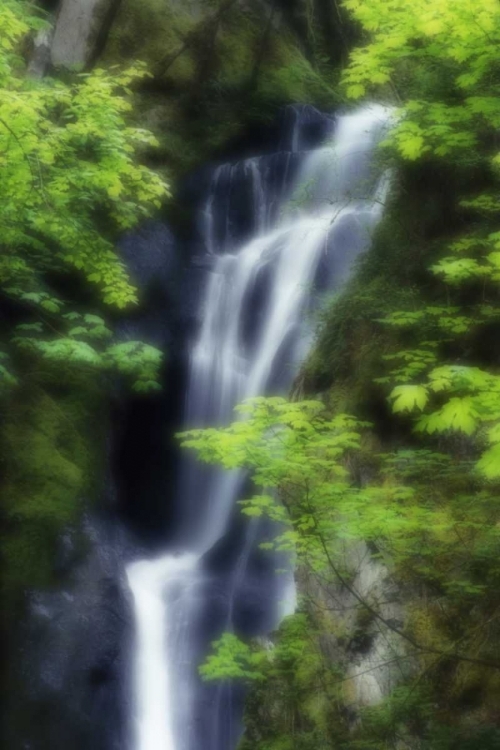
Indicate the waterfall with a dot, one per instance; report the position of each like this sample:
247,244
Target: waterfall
253,335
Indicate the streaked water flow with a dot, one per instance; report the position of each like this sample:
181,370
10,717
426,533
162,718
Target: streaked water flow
253,335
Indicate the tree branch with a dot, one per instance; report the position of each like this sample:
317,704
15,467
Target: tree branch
423,649
205,24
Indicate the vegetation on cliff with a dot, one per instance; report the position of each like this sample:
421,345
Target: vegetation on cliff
410,350
219,67
71,183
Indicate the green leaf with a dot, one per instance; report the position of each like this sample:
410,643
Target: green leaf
458,414
409,398
489,463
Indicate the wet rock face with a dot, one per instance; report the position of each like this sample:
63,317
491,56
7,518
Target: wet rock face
151,255
239,198
145,452
78,27
74,658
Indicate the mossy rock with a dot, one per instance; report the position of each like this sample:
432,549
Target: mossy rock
210,81
52,465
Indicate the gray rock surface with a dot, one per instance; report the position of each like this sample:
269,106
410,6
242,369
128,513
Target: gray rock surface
40,58
372,654
78,26
76,640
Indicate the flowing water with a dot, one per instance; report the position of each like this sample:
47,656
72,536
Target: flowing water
254,333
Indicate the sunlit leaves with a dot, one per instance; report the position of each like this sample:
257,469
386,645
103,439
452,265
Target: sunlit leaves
287,446
489,463
416,40
71,183
458,270
409,397
412,363
446,35
458,414
233,660
419,509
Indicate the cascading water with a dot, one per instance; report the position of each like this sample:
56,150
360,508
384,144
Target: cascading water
253,335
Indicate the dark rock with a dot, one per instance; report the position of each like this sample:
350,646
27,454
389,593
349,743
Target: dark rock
151,255
75,654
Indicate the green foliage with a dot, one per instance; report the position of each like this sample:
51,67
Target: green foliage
233,660
469,397
51,466
311,460
409,397
292,697
288,446
70,185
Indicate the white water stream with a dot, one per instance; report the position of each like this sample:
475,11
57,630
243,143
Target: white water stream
251,341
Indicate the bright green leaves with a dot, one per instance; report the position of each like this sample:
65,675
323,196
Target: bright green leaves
14,24
293,653
413,44
458,415
412,147
409,398
296,449
410,140
409,44
262,505
138,361
68,351
279,439
425,513
455,271
466,399
71,183
489,463
89,325
232,659
68,156
355,90
412,363
83,341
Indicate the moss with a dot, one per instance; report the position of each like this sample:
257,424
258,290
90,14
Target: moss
228,75
51,466
352,340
